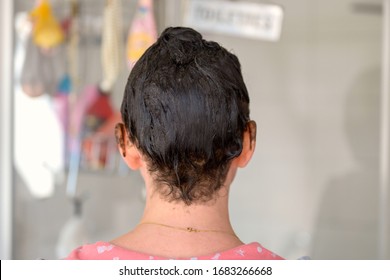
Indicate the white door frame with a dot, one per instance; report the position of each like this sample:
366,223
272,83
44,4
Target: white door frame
6,174
384,163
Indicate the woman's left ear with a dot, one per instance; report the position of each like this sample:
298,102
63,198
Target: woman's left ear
248,144
128,150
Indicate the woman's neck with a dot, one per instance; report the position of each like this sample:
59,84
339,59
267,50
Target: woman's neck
212,215
163,228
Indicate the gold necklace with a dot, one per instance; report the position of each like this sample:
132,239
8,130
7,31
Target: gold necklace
188,229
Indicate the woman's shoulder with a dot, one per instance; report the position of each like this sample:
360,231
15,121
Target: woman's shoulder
102,250
250,251
106,251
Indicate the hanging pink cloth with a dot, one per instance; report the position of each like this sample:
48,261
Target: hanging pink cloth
142,33
84,102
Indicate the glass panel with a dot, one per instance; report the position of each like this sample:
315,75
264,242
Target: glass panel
312,187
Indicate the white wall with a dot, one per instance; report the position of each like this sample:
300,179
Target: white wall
313,185
312,188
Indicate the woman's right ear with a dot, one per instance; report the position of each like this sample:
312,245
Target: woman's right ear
120,138
128,150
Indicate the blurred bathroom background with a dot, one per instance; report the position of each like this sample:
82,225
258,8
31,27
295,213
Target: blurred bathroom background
317,185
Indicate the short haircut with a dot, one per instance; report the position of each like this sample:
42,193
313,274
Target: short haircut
186,108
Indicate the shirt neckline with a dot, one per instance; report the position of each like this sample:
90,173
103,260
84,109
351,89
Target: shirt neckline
208,256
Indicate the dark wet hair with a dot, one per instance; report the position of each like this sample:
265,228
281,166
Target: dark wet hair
186,107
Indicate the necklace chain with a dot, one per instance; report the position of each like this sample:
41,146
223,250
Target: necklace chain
188,229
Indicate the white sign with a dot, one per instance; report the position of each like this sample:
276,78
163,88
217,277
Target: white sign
244,19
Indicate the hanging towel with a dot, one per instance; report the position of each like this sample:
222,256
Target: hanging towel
142,33
38,143
112,41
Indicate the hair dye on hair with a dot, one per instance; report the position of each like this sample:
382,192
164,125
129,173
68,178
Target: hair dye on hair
186,107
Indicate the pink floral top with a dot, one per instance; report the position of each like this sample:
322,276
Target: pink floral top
106,251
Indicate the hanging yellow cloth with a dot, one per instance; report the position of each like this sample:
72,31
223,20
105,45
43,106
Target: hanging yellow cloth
47,32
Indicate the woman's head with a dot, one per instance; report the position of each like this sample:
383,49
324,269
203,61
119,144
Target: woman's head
186,108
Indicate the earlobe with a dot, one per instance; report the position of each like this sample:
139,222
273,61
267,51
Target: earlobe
133,157
248,145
